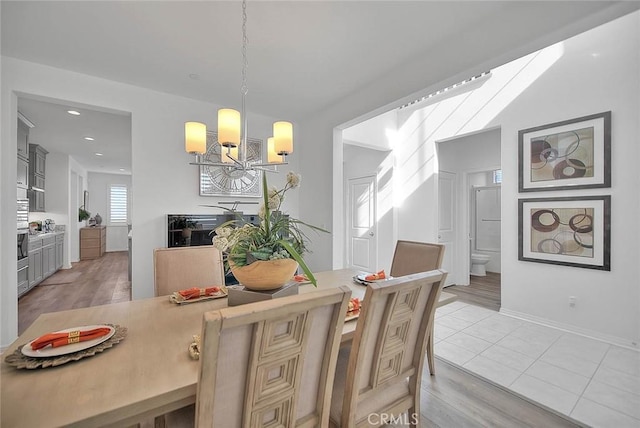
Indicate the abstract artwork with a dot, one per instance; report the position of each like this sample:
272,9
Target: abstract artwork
572,231
574,154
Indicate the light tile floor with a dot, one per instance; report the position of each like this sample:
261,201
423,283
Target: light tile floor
593,382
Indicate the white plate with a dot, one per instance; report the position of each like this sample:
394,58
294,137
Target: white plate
361,277
68,349
352,316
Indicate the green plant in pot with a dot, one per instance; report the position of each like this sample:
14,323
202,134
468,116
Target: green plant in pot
266,256
83,214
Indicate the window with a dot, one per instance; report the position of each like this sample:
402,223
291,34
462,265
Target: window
497,176
118,204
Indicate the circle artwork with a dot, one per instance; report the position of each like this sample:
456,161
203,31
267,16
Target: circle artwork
567,231
561,156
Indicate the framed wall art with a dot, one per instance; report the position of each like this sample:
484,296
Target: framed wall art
572,231
573,154
222,181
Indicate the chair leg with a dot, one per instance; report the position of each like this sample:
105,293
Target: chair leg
430,355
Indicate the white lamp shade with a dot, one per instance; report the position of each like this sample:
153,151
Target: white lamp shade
195,137
229,127
233,151
272,155
283,137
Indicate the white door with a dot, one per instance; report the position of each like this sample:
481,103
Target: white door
362,248
446,222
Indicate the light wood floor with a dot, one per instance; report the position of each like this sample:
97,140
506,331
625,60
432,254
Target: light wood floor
452,398
482,291
94,282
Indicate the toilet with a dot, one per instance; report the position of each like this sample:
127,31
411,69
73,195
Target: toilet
478,262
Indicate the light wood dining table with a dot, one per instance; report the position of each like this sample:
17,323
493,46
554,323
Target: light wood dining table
147,374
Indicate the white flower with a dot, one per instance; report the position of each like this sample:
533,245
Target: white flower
221,243
224,231
293,179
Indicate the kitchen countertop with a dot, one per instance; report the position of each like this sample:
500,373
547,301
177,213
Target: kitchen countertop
44,235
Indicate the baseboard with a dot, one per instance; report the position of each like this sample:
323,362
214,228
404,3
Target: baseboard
612,340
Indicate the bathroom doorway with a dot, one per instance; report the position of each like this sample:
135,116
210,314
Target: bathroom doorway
475,159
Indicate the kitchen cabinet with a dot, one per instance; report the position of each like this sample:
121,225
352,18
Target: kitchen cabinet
37,177
23,152
93,242
46,253
23,173
59,251
35,262
48,256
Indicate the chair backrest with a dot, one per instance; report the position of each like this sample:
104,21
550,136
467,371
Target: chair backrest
389,347
271,363
413,257
185,267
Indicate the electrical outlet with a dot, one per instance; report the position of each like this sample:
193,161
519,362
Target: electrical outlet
572,301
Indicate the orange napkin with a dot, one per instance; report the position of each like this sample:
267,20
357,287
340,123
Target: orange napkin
300,278
195,292
375,276
61,339
354,305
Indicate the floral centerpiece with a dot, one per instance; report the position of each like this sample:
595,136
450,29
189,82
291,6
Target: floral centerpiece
277,237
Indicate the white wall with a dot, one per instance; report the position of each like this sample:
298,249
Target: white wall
599,71
99,186
590,73
162,180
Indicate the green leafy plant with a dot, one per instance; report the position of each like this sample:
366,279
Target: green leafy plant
83,214
278,236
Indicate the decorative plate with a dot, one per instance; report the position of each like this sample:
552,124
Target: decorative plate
178,299
21,361
352,315
71,348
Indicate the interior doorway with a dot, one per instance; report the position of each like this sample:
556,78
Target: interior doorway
362,248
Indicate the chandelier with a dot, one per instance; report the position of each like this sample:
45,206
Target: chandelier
232,131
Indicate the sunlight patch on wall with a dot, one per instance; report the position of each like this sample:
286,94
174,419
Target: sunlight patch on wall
385,186
460,114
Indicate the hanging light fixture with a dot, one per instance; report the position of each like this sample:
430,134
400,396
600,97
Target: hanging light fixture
232,131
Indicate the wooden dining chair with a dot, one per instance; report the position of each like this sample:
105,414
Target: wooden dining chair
185,267
381,373
268,364
413,257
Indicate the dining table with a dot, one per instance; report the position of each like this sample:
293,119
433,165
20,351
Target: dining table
147,374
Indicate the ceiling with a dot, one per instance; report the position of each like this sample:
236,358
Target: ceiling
303,56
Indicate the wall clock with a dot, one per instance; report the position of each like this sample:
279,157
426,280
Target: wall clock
222,181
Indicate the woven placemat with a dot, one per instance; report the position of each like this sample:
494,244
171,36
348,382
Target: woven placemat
21,361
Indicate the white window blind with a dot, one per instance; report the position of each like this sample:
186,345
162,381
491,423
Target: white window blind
497,176
118,204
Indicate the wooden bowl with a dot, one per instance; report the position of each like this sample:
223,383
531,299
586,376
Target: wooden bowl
265,274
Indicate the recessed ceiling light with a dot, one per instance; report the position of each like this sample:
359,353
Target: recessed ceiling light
98,154
73,112
121,169
89,138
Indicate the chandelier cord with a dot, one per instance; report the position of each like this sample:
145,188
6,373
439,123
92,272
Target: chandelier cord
244,88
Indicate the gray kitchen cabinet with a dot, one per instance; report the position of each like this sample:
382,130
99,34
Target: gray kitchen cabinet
48,255
23,173
23,137
59,251
37,170
35,266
